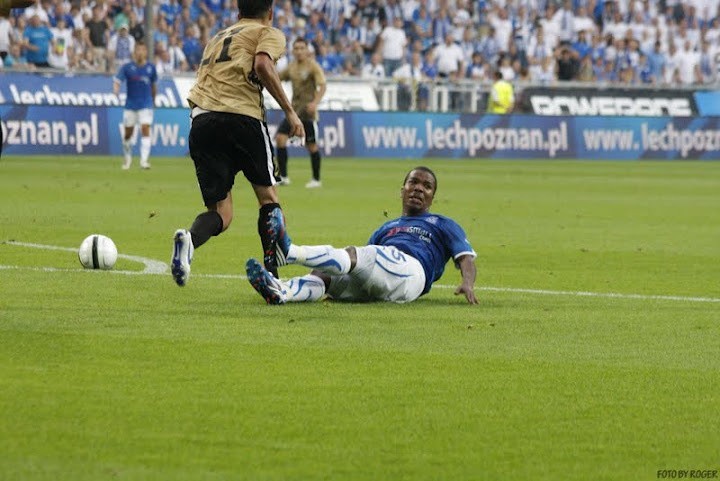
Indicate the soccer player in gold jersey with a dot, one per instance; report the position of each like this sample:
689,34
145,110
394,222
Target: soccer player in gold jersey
229,134
308,84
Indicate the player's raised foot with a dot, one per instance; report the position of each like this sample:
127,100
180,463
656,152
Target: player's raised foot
276,253
283,180
313,184
264,283
126,165
182,256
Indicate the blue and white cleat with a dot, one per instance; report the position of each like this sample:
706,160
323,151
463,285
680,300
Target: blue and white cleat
182,256
276,254
265,283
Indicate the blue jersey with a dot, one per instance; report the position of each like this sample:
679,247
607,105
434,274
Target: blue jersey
40,37
140,79
432,239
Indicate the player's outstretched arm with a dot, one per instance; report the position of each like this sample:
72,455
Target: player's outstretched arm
6,5
467,269
266,72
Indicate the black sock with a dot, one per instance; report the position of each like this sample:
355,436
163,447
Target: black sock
206,225
282,161
265,239
315,162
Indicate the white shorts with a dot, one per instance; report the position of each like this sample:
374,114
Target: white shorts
382,273
133,117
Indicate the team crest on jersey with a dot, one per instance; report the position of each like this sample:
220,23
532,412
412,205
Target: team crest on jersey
432,219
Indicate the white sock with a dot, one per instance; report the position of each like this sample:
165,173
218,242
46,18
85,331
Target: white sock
145,145
307,288
326,259
127,151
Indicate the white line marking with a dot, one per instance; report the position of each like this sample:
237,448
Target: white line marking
615,295
153,267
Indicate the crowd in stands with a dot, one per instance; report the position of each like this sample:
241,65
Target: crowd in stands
658,42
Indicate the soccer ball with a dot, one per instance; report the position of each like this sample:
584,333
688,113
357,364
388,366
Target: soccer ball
97,252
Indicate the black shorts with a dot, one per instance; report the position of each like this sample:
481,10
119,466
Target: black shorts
310,127
223,144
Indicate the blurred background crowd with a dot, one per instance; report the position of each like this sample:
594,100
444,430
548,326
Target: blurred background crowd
656,42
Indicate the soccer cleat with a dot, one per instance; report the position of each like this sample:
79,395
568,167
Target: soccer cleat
145,166
264,283
182,256
313,184
283,181
126,165
277,251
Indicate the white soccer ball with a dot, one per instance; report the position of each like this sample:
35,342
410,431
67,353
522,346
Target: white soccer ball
97,252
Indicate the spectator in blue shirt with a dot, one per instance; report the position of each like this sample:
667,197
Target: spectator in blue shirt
327,60
58,13
644,72
656,62
193,9
581,45
191,48
160,35
16,60
214,6
37,42
170,11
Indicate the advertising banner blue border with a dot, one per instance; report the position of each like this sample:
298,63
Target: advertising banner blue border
51,130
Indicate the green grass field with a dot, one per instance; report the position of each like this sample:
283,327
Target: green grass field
128,377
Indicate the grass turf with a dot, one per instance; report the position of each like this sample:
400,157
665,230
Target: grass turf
108,376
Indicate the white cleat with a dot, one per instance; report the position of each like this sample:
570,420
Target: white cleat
145,166
313,184
284,181
182,256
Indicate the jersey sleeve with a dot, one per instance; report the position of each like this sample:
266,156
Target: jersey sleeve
457,242
271,42
120,76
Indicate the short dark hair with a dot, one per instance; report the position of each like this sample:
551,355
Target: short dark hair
300,40
424,169
254,8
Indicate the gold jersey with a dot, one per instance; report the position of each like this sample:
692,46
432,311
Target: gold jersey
305,78
226,80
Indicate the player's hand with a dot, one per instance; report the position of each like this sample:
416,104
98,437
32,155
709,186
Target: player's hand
468,291
296,126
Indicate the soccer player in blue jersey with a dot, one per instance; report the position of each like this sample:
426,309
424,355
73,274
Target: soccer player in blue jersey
400,263
141,79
